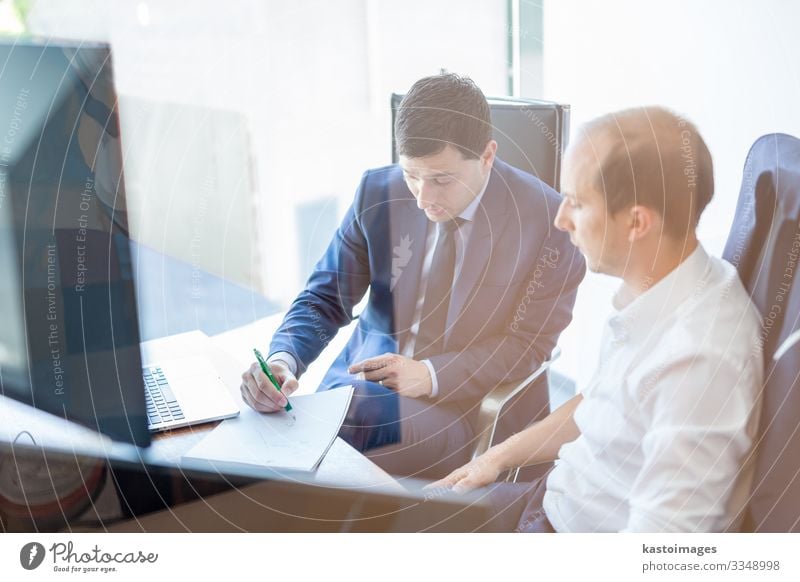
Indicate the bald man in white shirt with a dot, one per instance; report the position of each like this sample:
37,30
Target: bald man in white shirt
660,439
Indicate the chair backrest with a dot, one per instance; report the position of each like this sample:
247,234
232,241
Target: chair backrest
531,135
764,245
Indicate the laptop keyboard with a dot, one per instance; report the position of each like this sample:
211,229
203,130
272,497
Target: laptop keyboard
162,406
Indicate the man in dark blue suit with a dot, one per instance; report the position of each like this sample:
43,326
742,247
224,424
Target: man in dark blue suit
469,287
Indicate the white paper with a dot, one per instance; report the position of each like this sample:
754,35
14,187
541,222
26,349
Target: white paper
275,440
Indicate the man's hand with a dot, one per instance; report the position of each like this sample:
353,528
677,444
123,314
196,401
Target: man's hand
259,392
408,377
477,473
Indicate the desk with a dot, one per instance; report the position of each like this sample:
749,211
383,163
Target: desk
347,491
342,467
356,495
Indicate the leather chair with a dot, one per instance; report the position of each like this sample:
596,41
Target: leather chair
492,408
764,245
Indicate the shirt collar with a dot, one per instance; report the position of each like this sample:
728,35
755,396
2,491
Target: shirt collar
636,316
468,213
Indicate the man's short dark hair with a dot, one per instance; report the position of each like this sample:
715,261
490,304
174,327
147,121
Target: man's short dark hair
442,110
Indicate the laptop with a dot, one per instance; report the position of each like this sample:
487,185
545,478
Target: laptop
184,392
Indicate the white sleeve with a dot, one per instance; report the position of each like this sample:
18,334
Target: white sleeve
434,381
286,358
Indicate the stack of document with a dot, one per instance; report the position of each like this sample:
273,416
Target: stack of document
276,440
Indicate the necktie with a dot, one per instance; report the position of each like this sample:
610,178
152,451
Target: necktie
430,338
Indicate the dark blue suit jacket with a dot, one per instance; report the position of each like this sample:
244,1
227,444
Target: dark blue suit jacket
511,301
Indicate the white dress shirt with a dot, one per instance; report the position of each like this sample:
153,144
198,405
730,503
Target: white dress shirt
407,349
669,417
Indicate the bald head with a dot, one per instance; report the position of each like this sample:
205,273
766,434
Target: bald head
646,156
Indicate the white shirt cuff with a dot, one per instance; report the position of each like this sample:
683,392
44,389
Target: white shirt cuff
434,382
286,358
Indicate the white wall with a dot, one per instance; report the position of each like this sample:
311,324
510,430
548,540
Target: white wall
312,79
732,67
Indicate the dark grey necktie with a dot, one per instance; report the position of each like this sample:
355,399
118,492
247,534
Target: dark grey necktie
430,338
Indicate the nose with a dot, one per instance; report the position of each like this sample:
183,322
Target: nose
426,196
563,220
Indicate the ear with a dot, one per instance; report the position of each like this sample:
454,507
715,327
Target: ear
489,152
642,221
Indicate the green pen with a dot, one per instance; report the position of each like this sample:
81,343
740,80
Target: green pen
272,379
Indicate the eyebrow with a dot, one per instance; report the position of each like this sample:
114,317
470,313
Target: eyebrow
434,175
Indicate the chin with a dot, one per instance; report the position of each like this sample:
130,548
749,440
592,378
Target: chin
601,269
594,266
437,217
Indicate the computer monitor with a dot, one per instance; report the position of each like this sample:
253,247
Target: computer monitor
70,338
531,134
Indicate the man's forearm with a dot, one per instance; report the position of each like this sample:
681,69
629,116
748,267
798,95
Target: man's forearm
540,442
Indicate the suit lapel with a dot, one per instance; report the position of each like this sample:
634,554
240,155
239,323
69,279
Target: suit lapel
490,220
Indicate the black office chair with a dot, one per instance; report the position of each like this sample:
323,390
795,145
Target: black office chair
764,244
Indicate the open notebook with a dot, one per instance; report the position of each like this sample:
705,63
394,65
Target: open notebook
277,440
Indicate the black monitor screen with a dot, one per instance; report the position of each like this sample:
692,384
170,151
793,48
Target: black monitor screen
71,344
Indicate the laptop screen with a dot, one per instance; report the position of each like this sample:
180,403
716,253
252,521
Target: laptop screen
72,345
